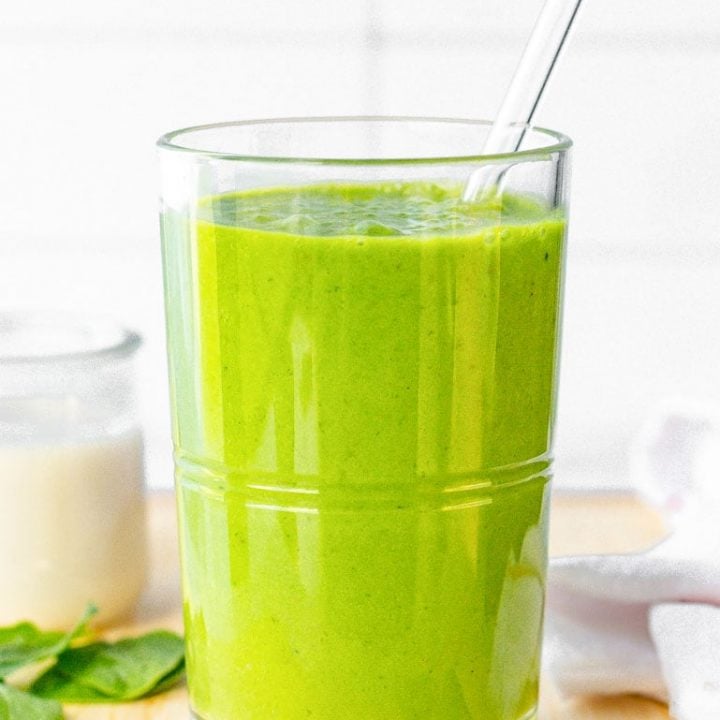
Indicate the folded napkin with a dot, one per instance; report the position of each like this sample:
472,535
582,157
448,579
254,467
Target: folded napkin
649,623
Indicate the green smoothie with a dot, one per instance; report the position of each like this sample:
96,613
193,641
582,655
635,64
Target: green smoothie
364,384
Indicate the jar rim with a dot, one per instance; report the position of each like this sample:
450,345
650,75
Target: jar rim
41,337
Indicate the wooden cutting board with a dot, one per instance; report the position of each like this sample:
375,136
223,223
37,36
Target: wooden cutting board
580,524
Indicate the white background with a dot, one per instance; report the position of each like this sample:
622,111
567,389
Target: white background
86,87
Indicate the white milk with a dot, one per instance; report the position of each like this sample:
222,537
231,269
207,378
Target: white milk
72,529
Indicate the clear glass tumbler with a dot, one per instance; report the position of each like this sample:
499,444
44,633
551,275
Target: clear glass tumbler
72,518
363,374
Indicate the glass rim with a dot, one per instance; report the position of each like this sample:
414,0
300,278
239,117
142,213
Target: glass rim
124,342
169,141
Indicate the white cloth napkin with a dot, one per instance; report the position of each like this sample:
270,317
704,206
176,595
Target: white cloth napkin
649,623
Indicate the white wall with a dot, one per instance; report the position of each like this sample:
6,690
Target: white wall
86,88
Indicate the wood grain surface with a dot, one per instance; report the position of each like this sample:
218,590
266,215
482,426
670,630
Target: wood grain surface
580,524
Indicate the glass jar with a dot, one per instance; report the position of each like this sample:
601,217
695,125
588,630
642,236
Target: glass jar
71,470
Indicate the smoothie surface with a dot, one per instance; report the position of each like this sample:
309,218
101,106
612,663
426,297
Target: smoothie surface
388,209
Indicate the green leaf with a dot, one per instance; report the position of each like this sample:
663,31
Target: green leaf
170,680
125,670
24,644
18,705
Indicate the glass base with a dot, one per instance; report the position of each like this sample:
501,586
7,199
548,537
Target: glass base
532,715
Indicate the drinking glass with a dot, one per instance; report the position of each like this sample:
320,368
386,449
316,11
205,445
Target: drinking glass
363,377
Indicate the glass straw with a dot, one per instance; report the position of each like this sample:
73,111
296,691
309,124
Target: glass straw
523,96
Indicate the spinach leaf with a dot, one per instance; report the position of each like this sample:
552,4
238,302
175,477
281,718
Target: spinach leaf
117,672
18,705
24,644
170,680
